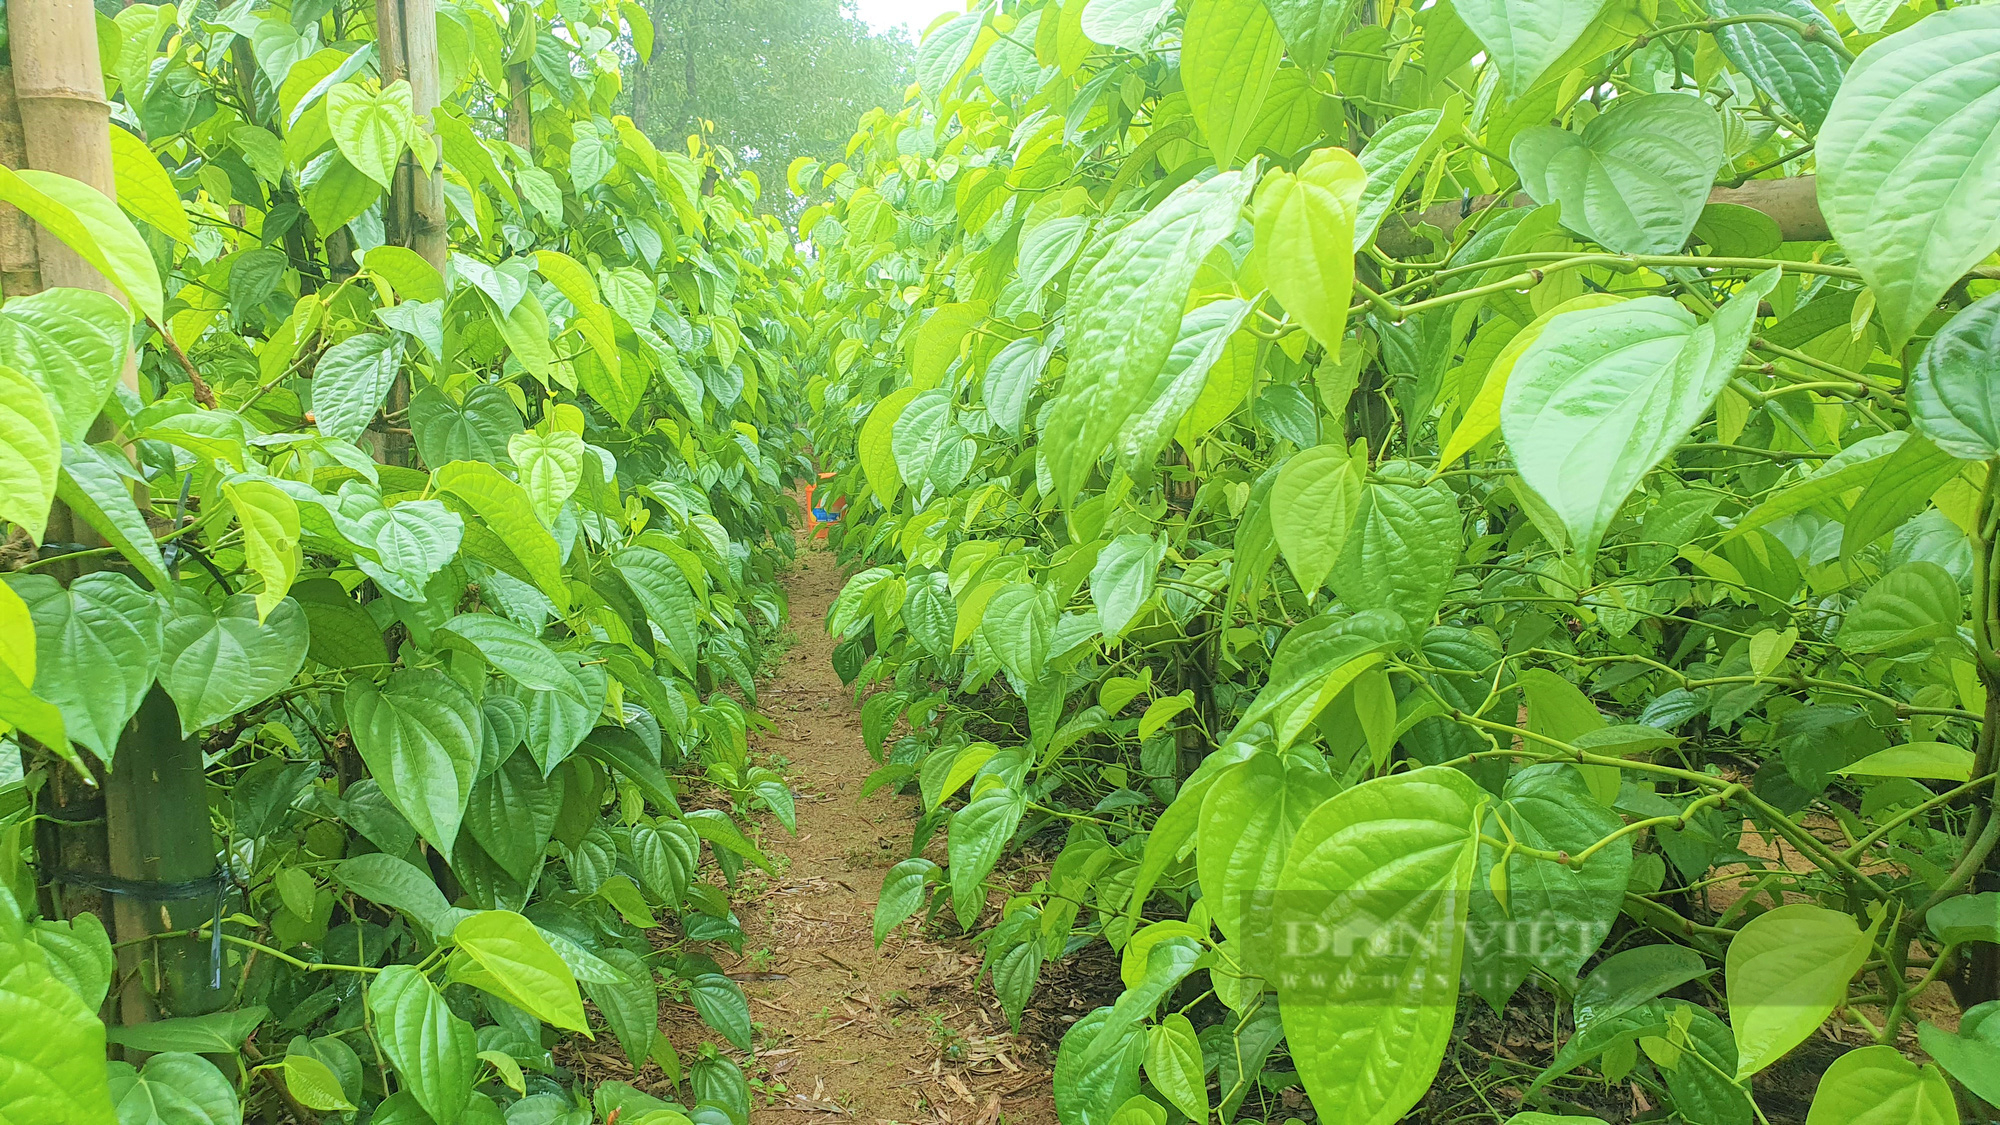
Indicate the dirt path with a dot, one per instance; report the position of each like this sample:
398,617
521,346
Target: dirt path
850,1032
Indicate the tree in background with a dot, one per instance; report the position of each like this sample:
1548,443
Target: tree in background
778,78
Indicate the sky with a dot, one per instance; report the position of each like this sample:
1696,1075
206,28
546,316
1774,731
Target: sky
911,15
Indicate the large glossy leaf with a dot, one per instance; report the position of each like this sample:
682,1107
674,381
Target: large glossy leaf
630,1005
512,813
350,381
1019,622
73,343
1394,155
1953,397
1010,379
435,1053
1603,395
269,519
216,662
1635,179
1972,1054
1908,179
1525,37
1554,917
979,832
1911,605
1174,1064
1787,969
1878,1086
1400,552
517,964
398,884
1310,27
419,735
1125,317
412,541
1211,342
1093,1079
1378,882
1229,53
174,1088
903,893
1314,663
96,647
875,445
551,467
1248,820
1305,239
94,227
476,428
371,130
95,486
1800,75
1122,579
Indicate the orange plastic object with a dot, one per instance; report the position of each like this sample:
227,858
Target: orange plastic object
817,517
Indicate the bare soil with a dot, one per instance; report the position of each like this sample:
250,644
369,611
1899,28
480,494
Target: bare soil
846,1032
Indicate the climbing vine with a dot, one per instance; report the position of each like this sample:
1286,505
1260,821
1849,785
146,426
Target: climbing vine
395,479
1385,509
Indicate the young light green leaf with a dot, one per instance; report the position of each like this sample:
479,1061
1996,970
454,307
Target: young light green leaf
519,966
30,453
551,467
269,518
1313,506
371,131
1229,54
1787,969
1305,228
94,227
1173,1062
1878,1086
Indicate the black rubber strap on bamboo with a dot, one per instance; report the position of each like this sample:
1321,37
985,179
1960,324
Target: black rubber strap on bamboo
216,883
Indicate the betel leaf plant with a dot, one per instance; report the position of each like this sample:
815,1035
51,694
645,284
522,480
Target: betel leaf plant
1421,477
392,467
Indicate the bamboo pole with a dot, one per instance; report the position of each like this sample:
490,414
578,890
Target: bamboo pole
520,119
65,121
151,820
20,273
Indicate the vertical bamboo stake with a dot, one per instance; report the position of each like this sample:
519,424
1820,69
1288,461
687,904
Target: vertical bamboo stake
413,215
420,55
154,823
520,119
20,274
